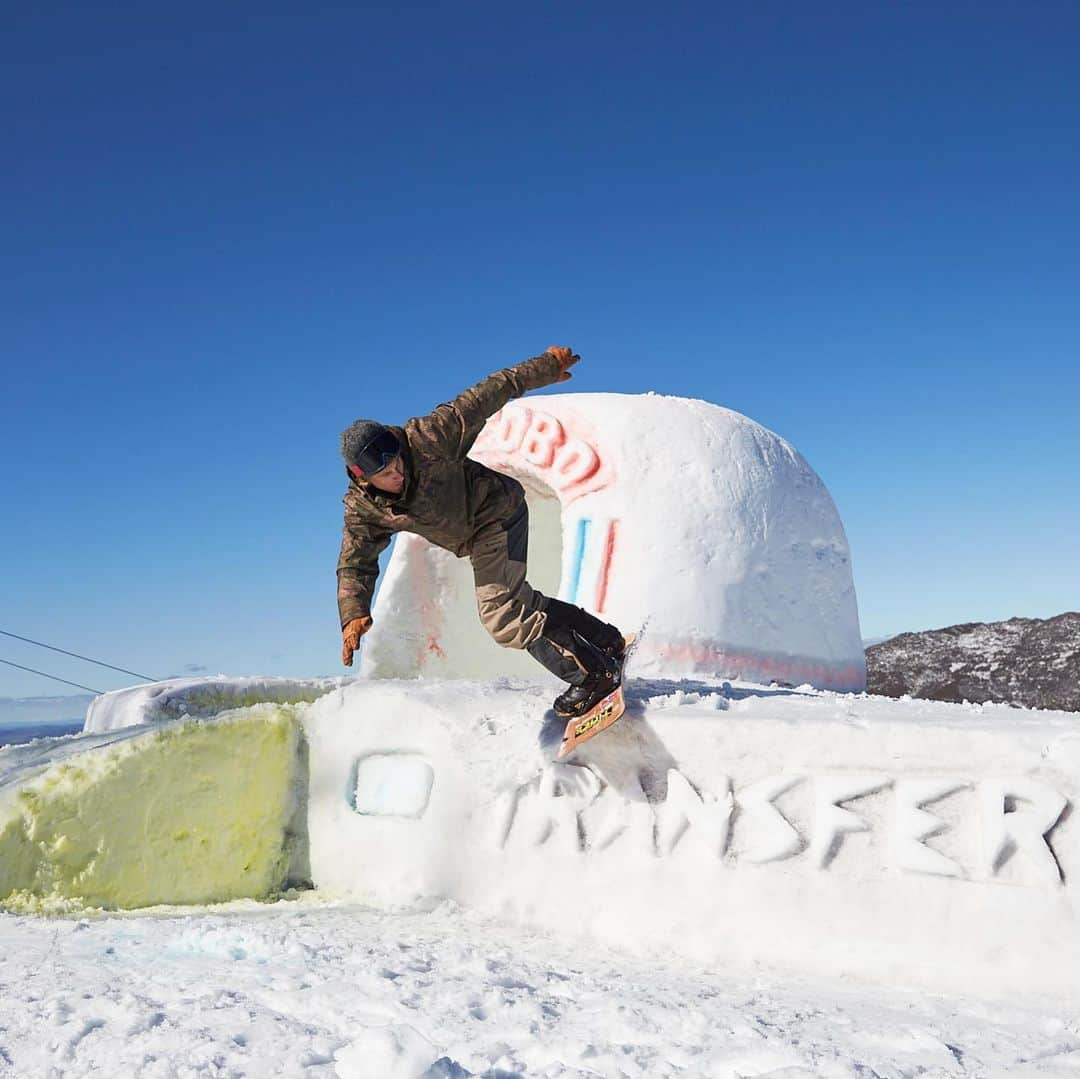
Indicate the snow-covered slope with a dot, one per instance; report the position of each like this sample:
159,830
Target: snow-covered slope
1026,661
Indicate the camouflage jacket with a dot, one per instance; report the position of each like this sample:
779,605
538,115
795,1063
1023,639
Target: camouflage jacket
447,498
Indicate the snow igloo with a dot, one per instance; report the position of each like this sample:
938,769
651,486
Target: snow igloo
686,522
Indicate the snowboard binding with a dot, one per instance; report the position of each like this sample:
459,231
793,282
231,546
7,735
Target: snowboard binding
603,710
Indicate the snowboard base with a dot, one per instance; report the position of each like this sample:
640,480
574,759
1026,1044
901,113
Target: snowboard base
580,729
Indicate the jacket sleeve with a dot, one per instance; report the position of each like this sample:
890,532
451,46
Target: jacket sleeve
358,568
452,428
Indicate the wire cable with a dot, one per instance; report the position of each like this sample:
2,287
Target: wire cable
64,651
52,676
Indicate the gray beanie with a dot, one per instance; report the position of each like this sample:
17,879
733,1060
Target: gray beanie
356,436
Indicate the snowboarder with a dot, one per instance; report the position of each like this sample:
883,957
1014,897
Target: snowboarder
417,478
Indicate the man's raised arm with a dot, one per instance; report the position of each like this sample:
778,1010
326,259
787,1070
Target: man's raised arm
453,426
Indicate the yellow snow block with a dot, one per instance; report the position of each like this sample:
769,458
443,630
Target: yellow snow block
195,813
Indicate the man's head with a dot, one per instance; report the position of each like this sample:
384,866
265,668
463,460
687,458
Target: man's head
372,454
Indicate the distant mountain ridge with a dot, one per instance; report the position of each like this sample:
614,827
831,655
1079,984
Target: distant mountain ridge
31,711
1031,662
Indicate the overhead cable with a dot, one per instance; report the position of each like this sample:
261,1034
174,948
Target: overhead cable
52,676
64,651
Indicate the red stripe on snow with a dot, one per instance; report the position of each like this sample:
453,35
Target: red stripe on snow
605,569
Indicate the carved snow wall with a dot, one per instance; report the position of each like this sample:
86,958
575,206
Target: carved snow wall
660,511
838,836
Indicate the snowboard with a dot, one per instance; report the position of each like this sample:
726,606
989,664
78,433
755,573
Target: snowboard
603,714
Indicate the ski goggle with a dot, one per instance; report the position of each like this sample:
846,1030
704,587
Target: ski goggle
377,454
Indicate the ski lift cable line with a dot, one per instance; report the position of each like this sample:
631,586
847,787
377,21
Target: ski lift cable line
52,676
87,659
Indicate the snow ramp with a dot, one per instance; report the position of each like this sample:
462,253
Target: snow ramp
909,841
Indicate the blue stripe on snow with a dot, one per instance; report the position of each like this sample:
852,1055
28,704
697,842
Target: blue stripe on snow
583,527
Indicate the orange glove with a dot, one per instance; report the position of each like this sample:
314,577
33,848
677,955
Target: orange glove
350,637
566,359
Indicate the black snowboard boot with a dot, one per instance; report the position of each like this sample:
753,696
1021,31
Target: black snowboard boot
602,635
592,663
577,700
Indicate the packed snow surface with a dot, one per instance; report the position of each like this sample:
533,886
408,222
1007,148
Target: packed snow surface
331,989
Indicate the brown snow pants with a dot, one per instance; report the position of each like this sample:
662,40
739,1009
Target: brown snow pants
510,609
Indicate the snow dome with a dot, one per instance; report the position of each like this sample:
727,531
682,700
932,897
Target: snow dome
672,516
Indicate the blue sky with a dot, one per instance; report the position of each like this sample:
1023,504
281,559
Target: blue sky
230,231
